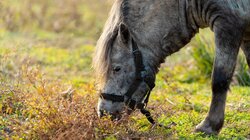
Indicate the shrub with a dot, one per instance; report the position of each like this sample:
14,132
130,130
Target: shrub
242,73
203,55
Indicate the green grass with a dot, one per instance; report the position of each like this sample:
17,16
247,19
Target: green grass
44,66
47,87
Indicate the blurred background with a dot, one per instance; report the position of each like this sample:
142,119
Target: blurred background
74,17
55,34
47,87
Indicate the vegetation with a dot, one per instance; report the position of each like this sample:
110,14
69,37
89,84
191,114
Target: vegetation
47,88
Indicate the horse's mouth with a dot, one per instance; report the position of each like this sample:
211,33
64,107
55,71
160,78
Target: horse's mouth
116,116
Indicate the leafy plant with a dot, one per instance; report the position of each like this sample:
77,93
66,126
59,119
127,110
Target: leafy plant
242,73
203,55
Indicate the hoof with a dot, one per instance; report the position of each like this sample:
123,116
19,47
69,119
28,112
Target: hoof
208,128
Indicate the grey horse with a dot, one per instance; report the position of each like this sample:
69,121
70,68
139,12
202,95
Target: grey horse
157,29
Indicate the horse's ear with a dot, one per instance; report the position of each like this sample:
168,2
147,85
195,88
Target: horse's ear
124,33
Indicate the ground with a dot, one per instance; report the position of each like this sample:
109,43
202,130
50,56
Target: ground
47,91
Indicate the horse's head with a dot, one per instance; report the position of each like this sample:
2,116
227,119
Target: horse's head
125,79
127,71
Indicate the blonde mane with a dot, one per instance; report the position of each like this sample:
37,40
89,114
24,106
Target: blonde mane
101,60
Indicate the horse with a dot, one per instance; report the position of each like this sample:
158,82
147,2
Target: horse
140,34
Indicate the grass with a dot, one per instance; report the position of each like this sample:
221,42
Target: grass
47,88
242,73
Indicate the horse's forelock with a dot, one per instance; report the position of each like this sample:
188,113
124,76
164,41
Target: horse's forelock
102,56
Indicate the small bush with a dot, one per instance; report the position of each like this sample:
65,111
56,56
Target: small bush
203,55
242,73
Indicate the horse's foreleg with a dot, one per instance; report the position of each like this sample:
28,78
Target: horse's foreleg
227,47
246,49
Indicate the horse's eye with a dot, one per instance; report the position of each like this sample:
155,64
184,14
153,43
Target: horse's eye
116,69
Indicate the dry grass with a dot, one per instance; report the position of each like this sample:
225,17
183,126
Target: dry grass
35,107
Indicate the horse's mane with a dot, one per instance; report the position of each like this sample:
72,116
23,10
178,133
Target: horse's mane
126,12
101,60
